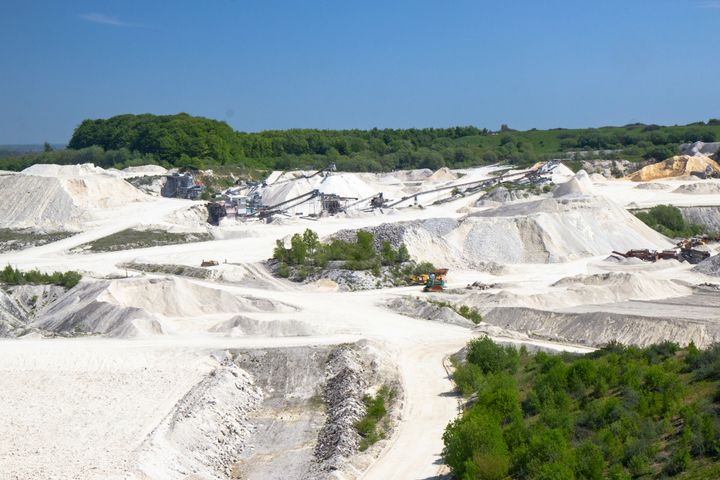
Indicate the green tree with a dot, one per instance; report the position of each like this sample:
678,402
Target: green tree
474,444
491,357
388,255
298,251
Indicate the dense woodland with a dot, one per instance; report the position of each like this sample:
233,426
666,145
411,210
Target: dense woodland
185,141
618,413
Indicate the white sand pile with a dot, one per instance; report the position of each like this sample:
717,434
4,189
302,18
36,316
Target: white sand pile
67,171
652,186
60,202
280,192
240,326
583,290
597,178
700,188
144,170
142,306
579,184
442,175
191,219
561,174
502,195
541,231
678,166
346,185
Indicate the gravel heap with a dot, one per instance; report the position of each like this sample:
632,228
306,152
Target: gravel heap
710,266
344,389
422,308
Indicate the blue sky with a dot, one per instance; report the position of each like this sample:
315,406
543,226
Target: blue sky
269,64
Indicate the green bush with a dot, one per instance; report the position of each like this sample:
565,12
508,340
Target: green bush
376,407
491,357
620,412
307,254
668,220
12,276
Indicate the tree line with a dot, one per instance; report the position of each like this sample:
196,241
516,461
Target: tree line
183,140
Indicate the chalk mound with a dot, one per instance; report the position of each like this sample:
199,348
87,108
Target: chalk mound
141,306
678,166
244,326
561,173
652,186
55,202
442,175
541,231
502,195
700,188
579,184
346,185
421,308
144,170
583,290
67,171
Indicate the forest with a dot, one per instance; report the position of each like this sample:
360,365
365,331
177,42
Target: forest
187,141
620,412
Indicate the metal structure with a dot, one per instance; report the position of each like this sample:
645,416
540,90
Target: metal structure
181,185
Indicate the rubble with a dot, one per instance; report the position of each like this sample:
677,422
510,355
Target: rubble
345,387
710,266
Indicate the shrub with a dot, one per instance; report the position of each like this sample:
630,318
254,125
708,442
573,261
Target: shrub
375,410
491,357
13,276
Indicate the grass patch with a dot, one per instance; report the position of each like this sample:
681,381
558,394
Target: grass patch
373,426
168,269
12,239
13,276
130,238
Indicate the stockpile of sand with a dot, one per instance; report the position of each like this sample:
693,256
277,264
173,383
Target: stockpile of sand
144,170
60,197
700,188
442,175
141,306
652,186
561,174
69,171
583,290
346,185
37,202
579,184
677,166
540,231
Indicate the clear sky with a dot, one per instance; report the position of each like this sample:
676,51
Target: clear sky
268,64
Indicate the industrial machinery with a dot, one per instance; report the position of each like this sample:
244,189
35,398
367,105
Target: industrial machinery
436,281
181,185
